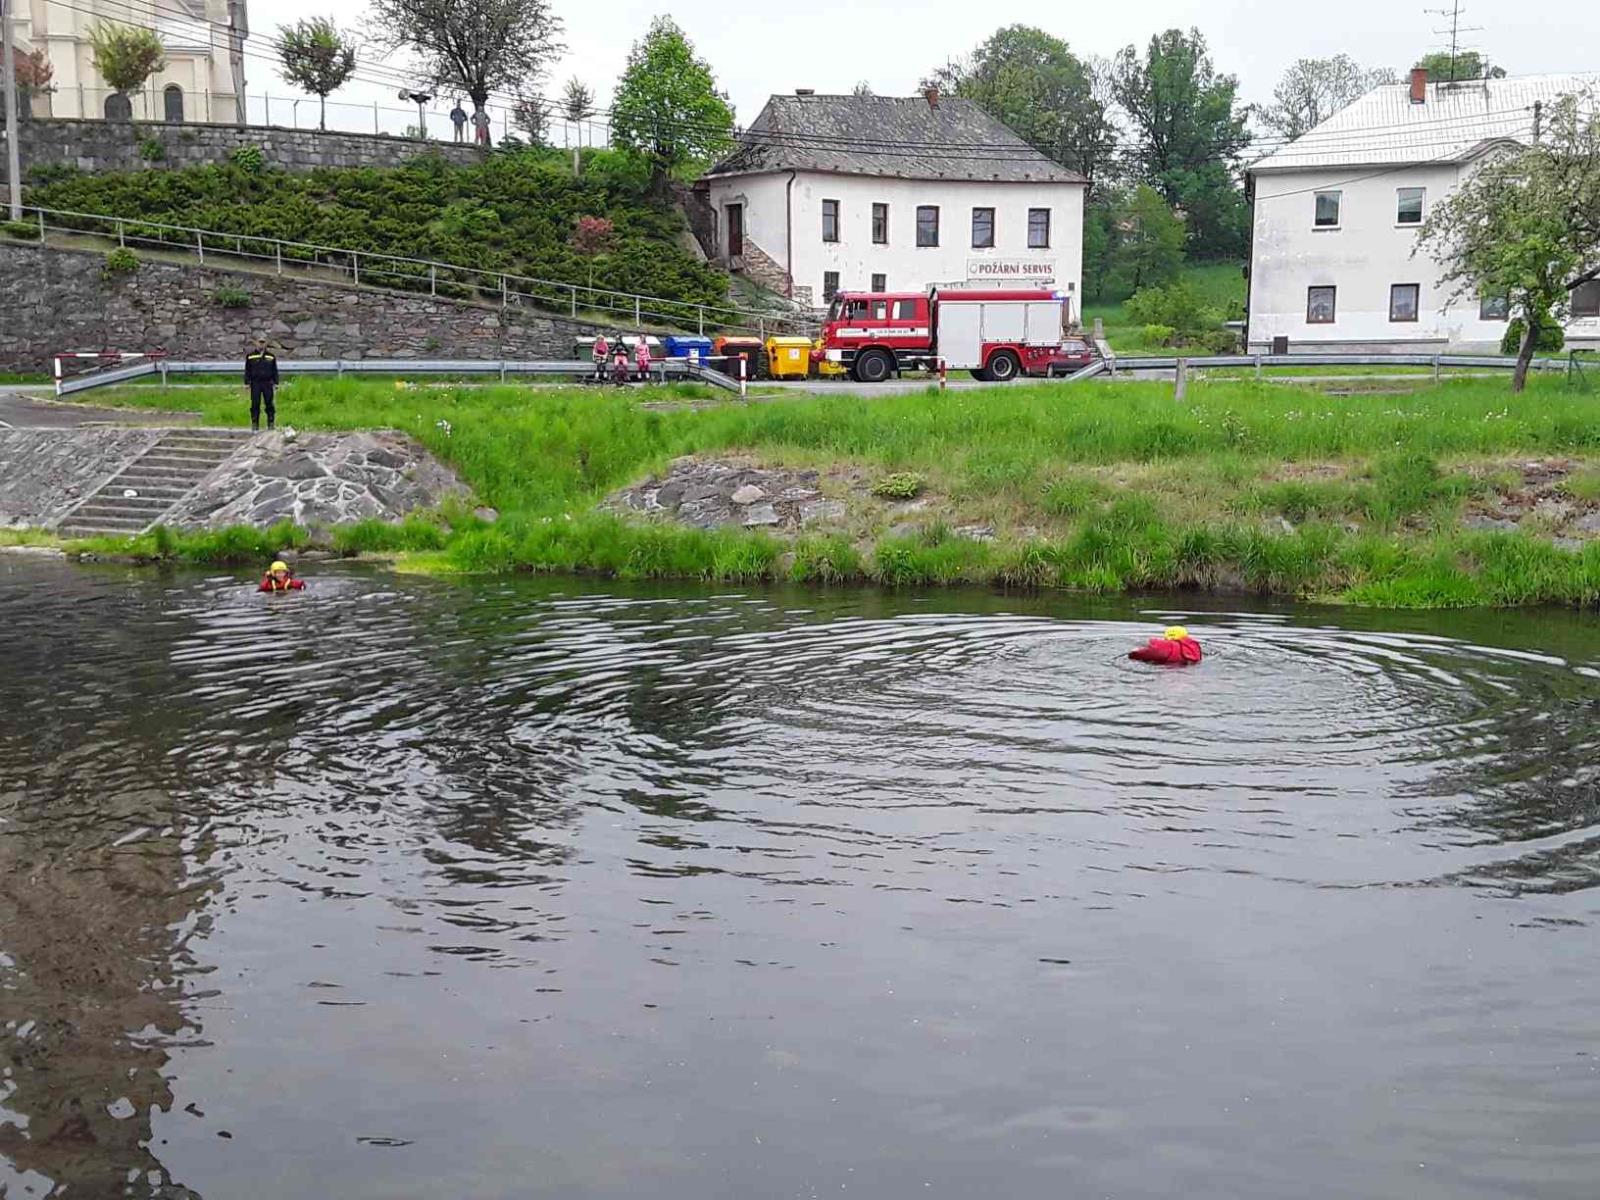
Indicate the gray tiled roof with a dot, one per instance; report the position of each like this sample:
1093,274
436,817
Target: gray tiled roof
893,136
1452,125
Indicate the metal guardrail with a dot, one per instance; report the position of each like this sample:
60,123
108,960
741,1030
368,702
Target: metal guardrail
1260,361
450,281
662,369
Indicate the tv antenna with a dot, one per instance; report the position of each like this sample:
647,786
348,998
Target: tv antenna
1455,31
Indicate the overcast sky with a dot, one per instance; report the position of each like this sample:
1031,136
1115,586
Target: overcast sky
762,47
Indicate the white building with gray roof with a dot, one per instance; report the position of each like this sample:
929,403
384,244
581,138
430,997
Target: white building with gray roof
882,193
1333,258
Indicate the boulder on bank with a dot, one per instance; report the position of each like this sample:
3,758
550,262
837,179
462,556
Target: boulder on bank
318,480
711,494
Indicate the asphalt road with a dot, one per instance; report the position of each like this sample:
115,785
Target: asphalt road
23,408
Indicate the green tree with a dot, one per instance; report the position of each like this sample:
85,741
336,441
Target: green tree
1032,82
1444,67
1313,89
1132,239
577,105
317,57
530,114
126,55
1191,132
1526,226
472,46
667,106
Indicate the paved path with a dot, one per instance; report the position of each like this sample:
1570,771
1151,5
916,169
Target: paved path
23,407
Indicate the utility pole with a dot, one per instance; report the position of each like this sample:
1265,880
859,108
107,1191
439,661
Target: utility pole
13,119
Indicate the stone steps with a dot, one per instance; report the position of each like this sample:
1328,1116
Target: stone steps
157,479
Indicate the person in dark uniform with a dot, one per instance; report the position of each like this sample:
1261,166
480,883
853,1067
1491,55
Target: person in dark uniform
261,373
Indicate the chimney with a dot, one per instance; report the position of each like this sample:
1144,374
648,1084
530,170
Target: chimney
931,94
1419,85
805,91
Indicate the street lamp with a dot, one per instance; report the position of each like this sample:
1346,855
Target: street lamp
420,99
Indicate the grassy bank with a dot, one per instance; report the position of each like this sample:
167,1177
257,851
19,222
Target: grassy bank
1220,285
1108,487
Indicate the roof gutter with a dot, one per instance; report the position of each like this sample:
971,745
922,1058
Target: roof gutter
788,235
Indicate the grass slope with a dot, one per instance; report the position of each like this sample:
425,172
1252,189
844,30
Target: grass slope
1106,487
1219,284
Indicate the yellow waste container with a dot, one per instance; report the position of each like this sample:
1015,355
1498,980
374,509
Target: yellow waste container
789,357
826,369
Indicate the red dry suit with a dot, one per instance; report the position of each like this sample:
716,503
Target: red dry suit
269,584
1175,652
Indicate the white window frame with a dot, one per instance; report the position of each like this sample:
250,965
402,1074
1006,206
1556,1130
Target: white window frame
1338,199
1422,212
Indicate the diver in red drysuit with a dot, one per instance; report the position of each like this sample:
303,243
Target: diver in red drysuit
1175,648
280,579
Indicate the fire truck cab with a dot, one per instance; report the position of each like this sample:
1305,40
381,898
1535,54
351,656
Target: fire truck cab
996,335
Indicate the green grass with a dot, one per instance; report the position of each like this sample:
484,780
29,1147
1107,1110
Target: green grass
1095,486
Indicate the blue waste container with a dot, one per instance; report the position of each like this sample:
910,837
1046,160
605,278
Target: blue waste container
696,348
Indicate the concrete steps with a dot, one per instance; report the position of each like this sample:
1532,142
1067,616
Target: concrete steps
157,480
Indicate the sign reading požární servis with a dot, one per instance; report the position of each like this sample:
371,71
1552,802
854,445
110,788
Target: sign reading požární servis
1025,271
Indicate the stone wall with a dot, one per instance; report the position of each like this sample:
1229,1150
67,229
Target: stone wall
94,145
57,300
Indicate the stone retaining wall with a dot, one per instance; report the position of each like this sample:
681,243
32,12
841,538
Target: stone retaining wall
94,145
44,472
57,300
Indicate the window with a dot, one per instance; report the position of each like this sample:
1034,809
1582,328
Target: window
1408,208
1038,229
880,283
1494,308
880,224
1586,299
830,284
982,228
905,310
928,225
173,103
735,230
880,310
1327,212
1403,299
1320,305
830,220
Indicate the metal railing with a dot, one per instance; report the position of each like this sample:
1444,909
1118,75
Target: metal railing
1439,362
661,370
367,268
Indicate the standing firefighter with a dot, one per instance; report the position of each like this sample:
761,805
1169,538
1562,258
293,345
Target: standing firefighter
261,374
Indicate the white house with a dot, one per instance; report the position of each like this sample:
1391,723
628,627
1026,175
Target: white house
1332,262
884,193
204,39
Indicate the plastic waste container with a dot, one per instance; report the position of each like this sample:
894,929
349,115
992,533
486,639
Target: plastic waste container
696,348
789,357
726,351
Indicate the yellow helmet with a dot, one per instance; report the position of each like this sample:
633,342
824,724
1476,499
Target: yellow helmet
1177,633
280,565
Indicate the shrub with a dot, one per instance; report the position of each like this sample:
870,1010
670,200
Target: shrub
902,485
120,261
151,150
231,295
1157,335
1178,305
20,230
1221,341
1549,340
252,160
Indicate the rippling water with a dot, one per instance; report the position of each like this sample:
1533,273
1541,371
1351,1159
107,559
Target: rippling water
496,889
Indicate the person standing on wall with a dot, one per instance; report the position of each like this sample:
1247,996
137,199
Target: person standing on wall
458,118
480,122
261,374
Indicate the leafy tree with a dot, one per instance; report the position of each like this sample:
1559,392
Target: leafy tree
1032,82
591,238
1526,225
34,74
862,88
126,55
530,114
1132,239
1313,89
577,105
317,57
667,106
1191,132
1444,67
472,46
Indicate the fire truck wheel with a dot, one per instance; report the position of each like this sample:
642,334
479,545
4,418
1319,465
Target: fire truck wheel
980,375
873,366
1003,366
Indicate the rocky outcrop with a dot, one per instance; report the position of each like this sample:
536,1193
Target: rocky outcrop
319,480
713,495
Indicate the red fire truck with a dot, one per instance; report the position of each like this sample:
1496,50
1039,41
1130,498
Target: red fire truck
996,335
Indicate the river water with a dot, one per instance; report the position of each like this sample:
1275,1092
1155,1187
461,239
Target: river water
542,888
